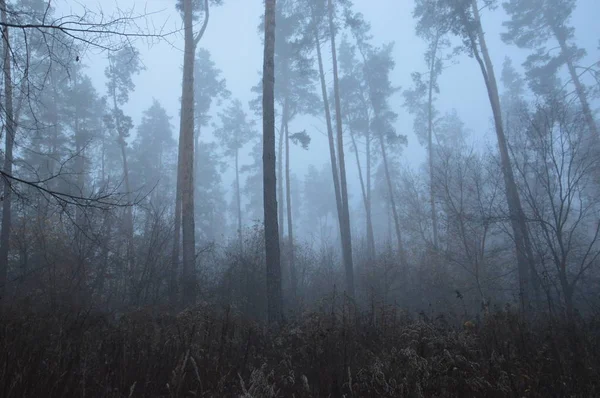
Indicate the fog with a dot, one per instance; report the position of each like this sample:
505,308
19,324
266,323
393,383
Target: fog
235,46
348,182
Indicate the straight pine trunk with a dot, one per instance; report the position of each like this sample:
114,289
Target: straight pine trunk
369,227
272,250
288,200
280,197
388,179
371,234
346,236
434,223
186,136
173,297
128,209
8,156
238,200
332,155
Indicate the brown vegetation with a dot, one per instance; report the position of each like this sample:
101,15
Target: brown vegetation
332,352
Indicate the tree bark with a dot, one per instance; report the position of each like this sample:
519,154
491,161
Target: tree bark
371,234
430,143
332,155
8,156
280,203
186,137
238,200
272,250
173,296
388,179
288,200
517,217
347,236
128,209
369,225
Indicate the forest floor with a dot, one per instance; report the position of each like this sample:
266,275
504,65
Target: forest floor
216,353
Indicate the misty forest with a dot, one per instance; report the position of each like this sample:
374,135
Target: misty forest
300,198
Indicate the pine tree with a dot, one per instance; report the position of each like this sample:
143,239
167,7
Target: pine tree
153,155
234,132
532,25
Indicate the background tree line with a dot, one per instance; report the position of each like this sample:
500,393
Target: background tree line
104,212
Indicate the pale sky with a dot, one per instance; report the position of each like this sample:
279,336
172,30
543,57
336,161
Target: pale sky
235,45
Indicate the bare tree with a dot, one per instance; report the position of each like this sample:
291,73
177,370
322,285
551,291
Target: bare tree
557,166
465,20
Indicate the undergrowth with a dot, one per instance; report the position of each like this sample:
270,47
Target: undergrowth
205,352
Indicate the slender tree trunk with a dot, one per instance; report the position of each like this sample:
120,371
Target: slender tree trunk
517,216
128,210
371,236
369,226
186,136
80,231
272,250
347,236
288,199
238,200
280,200
388,179
196,161
8,156
332,155
176,232
430,143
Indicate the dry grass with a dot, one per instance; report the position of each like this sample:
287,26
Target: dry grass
216,353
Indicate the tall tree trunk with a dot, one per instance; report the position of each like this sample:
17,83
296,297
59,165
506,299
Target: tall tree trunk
369,225
346,236
196,161
288,200
517,217
8,156
80,231
280,200
388,179
332,155
272,250
128,209
368,140
186,136
238,200
434,223
173,296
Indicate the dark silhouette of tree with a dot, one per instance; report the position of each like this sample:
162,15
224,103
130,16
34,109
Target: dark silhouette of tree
272,251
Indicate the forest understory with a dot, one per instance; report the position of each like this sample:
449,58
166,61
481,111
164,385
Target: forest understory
336,351
360,218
